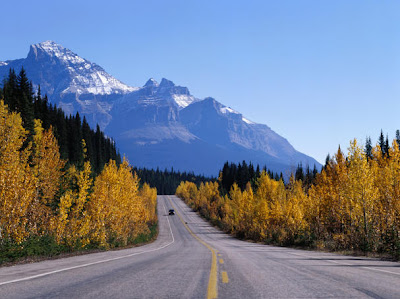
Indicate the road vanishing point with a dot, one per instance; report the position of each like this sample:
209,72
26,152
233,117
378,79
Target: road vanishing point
192,259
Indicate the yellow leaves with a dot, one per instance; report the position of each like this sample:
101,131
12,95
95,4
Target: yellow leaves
37,197
47,167
271,209
17,183
355,203
149,199
117,208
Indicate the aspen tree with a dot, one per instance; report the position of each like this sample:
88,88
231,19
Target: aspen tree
47,168
149,199
17,183
361,191
73,220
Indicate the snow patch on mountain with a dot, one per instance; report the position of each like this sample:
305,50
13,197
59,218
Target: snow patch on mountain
249,122
183,100
226,110
3,63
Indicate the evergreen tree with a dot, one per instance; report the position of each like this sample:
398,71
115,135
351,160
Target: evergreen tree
327,161
382,144
86,135
98,145
10,90
315,172
299,175
368,148
25,100
387,147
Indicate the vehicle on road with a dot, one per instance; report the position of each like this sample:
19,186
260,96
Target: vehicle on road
171,212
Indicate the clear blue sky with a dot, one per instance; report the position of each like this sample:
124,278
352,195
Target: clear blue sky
317,72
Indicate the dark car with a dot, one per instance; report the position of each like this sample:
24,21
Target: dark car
171,212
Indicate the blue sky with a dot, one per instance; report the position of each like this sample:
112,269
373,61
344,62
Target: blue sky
317,72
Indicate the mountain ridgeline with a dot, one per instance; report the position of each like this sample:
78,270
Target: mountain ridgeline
159,124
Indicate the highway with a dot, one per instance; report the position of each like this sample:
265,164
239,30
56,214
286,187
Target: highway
191,259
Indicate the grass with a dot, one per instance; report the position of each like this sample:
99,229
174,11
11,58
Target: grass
45,247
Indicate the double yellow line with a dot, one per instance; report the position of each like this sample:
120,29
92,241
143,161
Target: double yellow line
212,289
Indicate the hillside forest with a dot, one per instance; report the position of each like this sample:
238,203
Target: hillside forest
63,186
353,204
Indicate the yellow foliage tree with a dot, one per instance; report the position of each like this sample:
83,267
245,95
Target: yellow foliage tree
73,221
119,212
361,192
47,168
354,204
17,182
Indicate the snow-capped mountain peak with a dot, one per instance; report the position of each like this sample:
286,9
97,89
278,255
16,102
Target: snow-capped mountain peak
151,82
85,77
55,50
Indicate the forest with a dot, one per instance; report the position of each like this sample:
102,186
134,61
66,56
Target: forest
353,204
63,196
18,95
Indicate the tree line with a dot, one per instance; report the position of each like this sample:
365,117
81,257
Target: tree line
242,173
353,204
167,181
49,204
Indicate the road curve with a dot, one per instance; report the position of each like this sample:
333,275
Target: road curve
191,259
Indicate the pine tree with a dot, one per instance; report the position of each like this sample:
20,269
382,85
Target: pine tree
327,161
10,91
87,136
387,147
25,100
382,144
368,148
299,175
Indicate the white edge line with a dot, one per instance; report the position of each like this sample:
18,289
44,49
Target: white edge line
94,263
346,264
385,271
335,262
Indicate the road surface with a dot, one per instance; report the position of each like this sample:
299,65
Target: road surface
191,259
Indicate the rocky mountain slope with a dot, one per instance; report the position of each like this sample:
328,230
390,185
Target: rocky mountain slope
158,124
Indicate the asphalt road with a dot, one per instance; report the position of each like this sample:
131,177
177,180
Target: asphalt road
191,259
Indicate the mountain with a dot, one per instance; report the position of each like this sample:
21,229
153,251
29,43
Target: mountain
158,124
217,124
163,125
71,82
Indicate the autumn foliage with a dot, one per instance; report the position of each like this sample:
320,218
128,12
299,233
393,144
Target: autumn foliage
353,205
39,197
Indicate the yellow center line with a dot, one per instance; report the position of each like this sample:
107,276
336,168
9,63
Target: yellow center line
212,291
221,261
225,278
